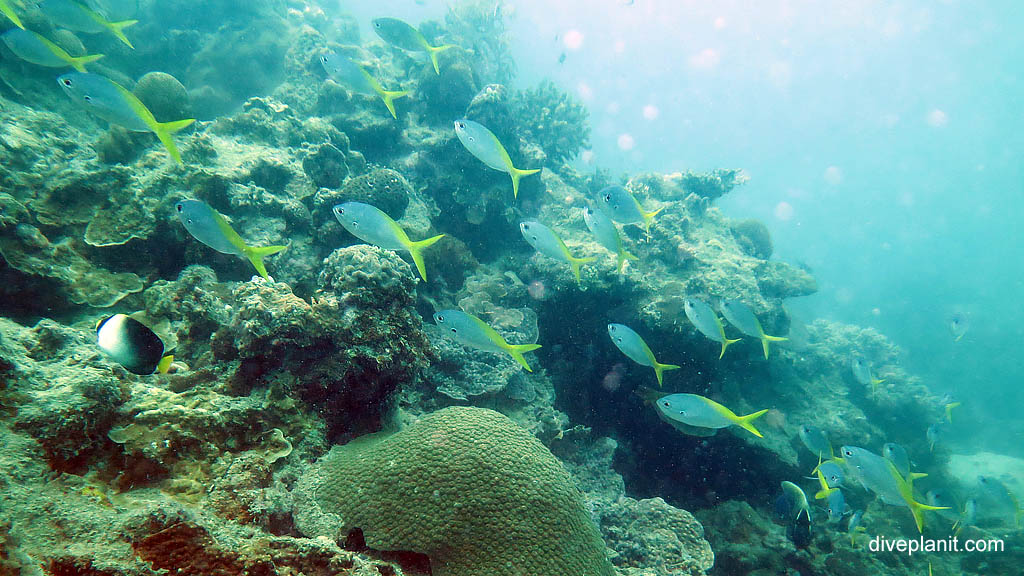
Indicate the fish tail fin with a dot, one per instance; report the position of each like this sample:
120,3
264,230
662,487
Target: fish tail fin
649,216
516,351
725,344
165,364
949,411
9,12
747,422
660,368
623,256
416,249
765,339
434,51
164,131
256,254
918,509
389,97
577,262
78,63
117,29
516,174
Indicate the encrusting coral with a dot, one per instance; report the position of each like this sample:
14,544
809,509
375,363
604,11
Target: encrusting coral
468,487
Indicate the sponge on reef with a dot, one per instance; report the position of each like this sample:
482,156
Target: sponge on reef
468,487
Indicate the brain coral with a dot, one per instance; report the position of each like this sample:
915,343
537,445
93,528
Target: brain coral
467,487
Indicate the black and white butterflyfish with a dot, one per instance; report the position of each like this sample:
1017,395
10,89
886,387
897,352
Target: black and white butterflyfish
133,345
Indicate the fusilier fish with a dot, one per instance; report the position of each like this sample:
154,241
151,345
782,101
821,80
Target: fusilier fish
707,322
700,412
862,373
816,441
403,35
632,345
7,10
742,317
622,207
996,501
475,333
934,434
835,506
959,324
547,242
897,455
602,227
483,144
832,472
879,475
211,228
132,344
348,73
372,225
944,499
34,48
80,18
112,102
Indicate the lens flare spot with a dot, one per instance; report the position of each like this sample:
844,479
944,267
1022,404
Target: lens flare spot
833,175
626,142
651,112
784,211
937,118
573,39
585,91
706,59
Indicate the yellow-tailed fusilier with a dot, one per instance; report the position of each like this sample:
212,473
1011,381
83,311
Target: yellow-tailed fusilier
7,10
32,47
483,144
632,345
602,227
879,475
862,373
742,317
112,102
475,333
959,324
346,72
132,344
703,414
816,441
211,228
624,208
402,35
80,18
545,241
372,225
707,322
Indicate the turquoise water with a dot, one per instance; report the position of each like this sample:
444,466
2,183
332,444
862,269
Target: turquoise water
202,321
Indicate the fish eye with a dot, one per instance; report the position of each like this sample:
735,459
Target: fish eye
180,207
848,452
339,210
87,98
607,197
440,318
454,331
67,82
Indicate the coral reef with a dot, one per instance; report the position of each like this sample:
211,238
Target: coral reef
554,120
465,486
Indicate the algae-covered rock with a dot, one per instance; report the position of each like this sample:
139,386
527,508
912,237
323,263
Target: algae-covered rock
55,264
467,487
164,95
650,533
